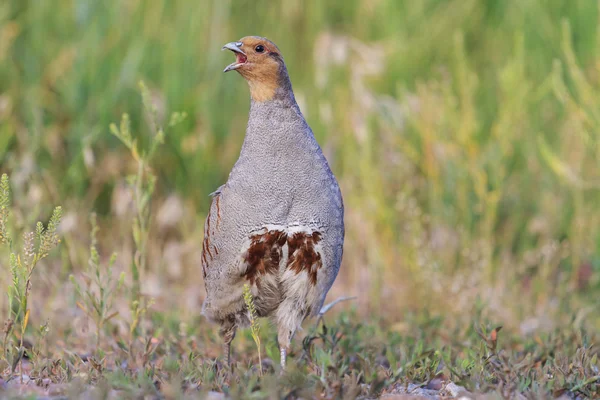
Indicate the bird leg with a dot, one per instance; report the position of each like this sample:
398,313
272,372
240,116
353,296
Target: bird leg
227,333
284,338
289,319
283,352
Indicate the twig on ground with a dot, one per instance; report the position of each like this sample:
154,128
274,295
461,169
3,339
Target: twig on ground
328,307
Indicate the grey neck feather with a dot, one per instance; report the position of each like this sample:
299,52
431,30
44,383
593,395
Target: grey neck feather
283,105
284,92
275,124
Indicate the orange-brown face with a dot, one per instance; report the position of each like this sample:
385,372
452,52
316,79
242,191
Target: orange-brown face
259,61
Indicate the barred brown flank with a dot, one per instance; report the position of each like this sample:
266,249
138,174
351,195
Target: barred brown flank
264,254
217,198
204,262
208,223
303,256
206,244
266,251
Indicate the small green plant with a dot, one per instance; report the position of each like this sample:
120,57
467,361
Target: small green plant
96,292
142,185
143,182
4,210
138,310
36,246
254,324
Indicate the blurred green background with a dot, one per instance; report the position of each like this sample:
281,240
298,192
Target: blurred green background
465,135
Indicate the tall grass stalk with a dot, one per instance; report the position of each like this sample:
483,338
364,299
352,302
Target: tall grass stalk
35,247
142,184
99,288
254,323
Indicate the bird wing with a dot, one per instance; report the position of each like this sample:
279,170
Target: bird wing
213,219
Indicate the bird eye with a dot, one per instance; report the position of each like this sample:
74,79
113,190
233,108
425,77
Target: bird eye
260,48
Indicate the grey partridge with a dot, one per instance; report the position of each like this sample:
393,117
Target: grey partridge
277,224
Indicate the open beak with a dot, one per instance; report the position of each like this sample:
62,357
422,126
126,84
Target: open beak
240,56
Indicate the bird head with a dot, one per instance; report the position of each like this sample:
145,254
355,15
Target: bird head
260,62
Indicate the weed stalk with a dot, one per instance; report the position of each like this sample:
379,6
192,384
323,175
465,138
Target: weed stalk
36,246
254,324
